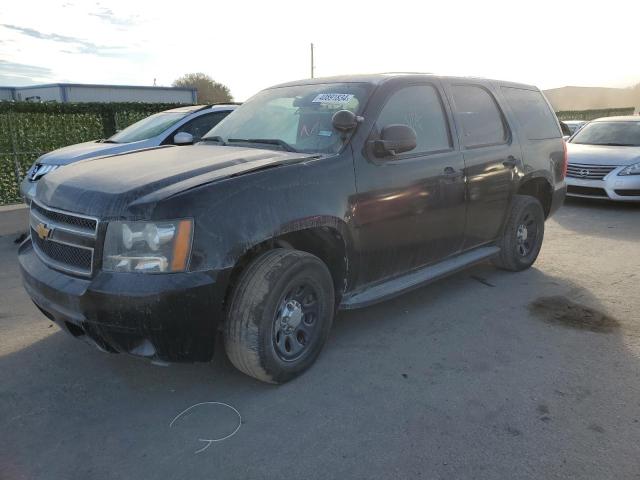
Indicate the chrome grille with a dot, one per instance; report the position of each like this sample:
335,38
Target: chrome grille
589,172
66,219
63,240
63,254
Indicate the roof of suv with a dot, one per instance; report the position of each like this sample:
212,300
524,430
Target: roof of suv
379,78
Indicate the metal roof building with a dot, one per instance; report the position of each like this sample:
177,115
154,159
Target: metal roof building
77,92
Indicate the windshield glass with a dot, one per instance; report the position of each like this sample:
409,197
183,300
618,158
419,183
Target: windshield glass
296,118
147,127
609,133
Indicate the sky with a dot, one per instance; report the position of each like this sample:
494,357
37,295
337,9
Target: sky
250,45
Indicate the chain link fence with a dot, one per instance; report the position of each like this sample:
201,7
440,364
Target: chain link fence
27,130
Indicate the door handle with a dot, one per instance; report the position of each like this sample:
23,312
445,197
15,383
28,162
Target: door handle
510,162
450,172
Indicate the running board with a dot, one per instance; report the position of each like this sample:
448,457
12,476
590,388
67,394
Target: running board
416,278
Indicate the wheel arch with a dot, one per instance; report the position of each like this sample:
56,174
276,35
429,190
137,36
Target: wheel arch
327,238
537,185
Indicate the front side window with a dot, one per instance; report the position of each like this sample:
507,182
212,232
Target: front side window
299,117
626,134
533,113
479,116
147,127
199,126
419,107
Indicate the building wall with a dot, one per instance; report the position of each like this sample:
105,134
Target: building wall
76,93
6,93
98,93
39,94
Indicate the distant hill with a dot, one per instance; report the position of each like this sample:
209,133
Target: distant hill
587,98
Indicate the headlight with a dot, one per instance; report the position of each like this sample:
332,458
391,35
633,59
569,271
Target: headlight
631,170
148,247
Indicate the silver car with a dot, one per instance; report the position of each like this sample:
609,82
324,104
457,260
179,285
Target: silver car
574,125
604,159
179,126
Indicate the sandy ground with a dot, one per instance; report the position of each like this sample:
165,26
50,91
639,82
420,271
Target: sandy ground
485,375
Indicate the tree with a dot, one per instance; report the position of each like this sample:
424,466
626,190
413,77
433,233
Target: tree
209,91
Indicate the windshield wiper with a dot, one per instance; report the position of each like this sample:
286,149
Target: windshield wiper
215,138
106,140
267,141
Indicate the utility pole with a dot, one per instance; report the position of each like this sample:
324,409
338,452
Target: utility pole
312,67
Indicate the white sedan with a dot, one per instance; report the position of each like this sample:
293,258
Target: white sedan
604,159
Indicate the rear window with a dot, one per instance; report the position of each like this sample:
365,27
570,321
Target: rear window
533,113
479,115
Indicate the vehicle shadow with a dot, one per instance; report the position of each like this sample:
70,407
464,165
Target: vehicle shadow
403,386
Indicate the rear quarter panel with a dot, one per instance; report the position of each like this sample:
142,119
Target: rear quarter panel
541,158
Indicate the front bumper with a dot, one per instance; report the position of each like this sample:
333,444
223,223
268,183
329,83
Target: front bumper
165,317
624,188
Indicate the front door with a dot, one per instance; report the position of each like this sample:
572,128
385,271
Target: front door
410,208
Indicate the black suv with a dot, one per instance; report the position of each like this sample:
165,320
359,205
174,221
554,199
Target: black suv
312,196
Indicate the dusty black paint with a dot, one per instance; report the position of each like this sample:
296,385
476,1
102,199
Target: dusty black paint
393,216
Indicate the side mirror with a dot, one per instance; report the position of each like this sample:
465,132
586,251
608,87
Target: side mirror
395,139
183,138
345,120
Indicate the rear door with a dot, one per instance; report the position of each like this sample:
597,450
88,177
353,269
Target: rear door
491,155
410,208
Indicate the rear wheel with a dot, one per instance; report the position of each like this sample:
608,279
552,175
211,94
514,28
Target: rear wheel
522,236
279,315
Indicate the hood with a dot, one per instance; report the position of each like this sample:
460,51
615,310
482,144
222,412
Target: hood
110,188
81,151
602,154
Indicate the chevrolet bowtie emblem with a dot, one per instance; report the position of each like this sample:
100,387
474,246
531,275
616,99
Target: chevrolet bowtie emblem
42,231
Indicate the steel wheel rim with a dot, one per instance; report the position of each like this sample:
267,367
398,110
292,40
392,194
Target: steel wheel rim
526,235
296,322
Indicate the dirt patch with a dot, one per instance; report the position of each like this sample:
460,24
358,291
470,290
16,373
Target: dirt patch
560,310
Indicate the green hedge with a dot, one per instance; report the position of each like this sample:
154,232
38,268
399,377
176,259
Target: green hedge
593,114
27,130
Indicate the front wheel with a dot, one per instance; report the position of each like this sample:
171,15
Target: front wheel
280,315
522,236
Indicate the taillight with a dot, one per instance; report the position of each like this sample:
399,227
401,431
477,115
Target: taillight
565,160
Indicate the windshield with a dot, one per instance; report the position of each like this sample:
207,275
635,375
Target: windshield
609,133
147,127
294,118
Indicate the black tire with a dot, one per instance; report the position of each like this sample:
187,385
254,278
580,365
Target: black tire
522,235
270,310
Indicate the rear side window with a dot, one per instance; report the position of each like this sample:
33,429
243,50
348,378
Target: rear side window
419,107
480,118
533,113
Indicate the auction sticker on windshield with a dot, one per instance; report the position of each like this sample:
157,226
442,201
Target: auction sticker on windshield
333,98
